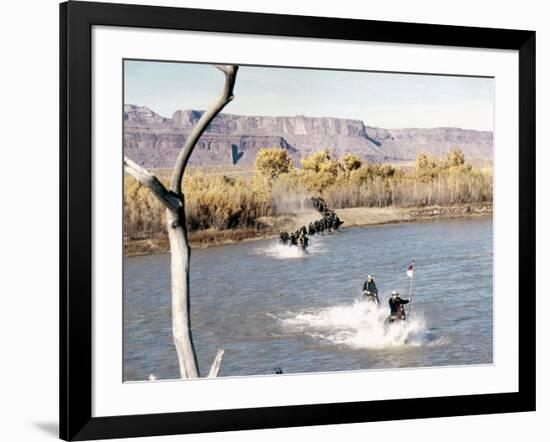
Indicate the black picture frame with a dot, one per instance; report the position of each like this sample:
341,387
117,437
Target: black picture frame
76,21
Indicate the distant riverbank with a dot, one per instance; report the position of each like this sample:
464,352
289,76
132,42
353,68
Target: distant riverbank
271,226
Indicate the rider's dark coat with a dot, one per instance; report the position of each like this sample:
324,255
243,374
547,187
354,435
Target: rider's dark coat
396,303
370,286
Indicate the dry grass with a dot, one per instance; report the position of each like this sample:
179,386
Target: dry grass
227,204
213,201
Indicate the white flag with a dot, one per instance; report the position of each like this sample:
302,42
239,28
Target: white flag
410,269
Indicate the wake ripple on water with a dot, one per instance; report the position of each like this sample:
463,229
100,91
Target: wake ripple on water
360,325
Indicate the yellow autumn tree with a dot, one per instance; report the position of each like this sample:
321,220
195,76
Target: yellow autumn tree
427,166
272,161
351,162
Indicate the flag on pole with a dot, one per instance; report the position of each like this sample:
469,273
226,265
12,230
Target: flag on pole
410,269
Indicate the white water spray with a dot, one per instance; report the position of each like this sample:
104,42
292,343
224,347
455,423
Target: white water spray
286,251
360,325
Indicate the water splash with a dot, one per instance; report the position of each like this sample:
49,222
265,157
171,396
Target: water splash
283,251
360,325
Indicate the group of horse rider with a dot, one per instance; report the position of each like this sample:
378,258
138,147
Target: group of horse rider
329,222
397,311
296,238
318,203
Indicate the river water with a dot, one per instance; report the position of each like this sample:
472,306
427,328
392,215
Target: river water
270,307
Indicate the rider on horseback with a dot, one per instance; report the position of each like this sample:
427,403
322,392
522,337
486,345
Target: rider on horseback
370,291
396,307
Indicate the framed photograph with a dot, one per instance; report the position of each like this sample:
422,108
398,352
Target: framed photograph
274,220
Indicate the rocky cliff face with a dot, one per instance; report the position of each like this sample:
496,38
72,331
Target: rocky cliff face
298,125
154,141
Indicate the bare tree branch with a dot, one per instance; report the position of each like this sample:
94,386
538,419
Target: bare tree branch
142,175
213,110
180,251
179,245
224,68
215,368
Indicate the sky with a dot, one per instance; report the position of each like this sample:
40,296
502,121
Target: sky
387,100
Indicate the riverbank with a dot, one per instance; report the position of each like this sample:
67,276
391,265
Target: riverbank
366,216
271,226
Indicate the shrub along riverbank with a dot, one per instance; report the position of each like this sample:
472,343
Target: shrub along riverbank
225,204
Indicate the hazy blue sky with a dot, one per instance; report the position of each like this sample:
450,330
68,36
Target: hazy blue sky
379,99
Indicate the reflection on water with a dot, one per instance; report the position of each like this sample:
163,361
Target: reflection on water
269,307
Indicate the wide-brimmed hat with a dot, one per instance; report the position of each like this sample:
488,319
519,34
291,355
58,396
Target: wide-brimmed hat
394,292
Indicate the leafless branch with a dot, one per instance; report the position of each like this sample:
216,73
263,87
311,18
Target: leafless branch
180,251
213,110
215,368
167,197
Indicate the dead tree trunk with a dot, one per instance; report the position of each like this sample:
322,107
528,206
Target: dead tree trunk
181,311
180,252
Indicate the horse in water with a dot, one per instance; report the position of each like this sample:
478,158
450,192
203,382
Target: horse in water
371,297
397,311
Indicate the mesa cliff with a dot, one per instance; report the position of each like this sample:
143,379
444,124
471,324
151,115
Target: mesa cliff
154,141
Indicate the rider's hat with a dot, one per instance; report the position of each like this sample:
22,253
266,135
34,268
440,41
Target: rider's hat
395,292
369,276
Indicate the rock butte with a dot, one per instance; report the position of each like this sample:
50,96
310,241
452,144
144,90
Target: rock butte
154,141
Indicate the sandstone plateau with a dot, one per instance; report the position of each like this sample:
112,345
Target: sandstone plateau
154,141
